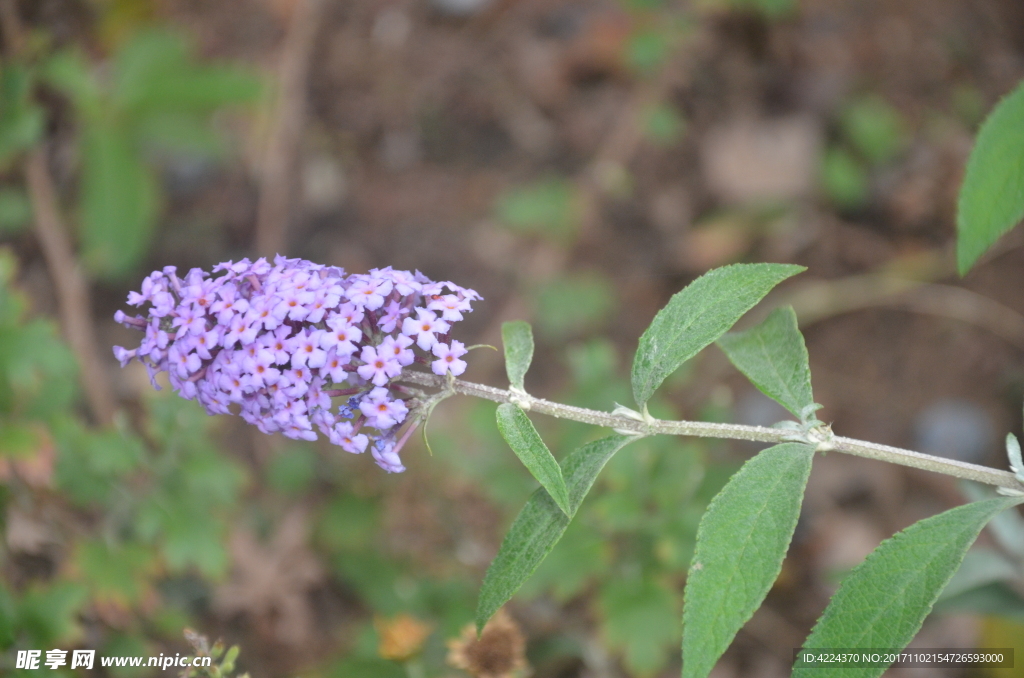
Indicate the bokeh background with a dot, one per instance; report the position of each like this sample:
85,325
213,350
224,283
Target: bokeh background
576,162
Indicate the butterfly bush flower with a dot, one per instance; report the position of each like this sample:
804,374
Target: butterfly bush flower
277,343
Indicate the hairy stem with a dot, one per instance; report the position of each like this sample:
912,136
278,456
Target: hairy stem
859,448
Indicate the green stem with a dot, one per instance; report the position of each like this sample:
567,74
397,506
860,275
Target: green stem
859,448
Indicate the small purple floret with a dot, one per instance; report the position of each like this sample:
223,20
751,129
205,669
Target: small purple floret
278,342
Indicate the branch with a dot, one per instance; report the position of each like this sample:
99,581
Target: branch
277,177
859,448
69,282
72,289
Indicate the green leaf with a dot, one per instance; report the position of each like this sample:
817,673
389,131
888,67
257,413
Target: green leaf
698,315
775,9
291,470
126,645
522,437
21,122
884,600
582,555
540,525
517,337
980,567
741,543
154,74
150,55
19,440
547,207
194,539
68,72
774,358
875,128
49,614
178,134
992,195
15,210
8,618
642,618
574,304
663,125
119,201
844,179
646,50
997,599
116,573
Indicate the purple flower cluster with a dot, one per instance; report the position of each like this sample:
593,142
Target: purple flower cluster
280,341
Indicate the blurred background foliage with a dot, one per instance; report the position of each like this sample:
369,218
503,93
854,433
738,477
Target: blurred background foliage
575,161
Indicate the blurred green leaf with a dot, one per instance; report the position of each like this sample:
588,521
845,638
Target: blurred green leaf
697,316
991,197
119,201
8,617
155,95
875,129
593,362
772,9
48,614
37,371
68,72
643,5
1008,529
574,304
21,121
741,543
151,54
677,473
120,18
373,576
844,179
621,511
664,125
113,453
154,74
12,303
773,356
642,618
969,105
117,573
517,338
191,538
997,598
91,464
348,523
177,424
884,600
646,50
518,431
15,210
18,439
73,471
126,645
547,207
540,525
980,567
581,555
210,476
291,470
181,133
366,668
19,131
